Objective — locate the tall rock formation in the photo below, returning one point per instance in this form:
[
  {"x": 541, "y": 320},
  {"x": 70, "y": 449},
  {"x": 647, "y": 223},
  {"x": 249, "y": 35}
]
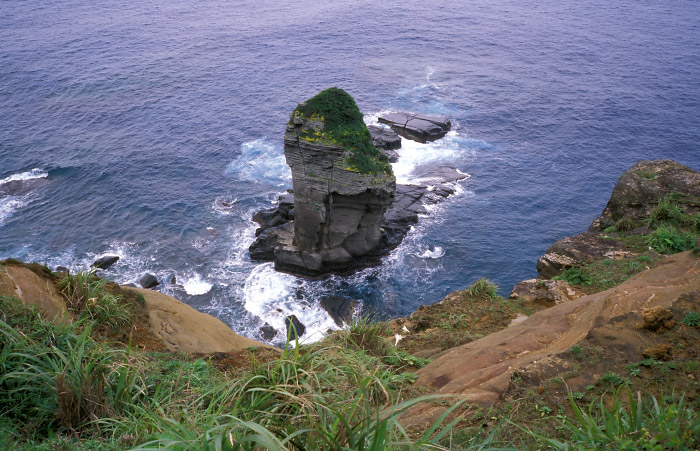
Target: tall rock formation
[{"x": 343, "y": 186}]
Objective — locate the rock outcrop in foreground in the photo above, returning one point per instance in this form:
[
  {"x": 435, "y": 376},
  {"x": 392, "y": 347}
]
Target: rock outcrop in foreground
[
  {"x": 481, "y": 371},
  {"x": 637, "y": 194},
  {"x": 343, "y": 186}
]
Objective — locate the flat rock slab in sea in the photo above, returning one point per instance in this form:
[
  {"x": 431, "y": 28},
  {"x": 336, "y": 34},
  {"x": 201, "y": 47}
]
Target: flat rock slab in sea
[{"x": 417, "y": 127}]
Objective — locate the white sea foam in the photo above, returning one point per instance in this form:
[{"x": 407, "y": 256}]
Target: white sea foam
[
  {"x": 436, "y": 252},
  {"x": 35, "y": 173},
  {"x": 11, "y": 203},
  {"x": 273, "y": 296},
  {"x": 261, "y": 159},
  {"x": 195, "y": 286},
  {"x": 8, "y": 205}
]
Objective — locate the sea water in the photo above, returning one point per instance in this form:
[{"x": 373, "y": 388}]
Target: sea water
[{"x": 153, "y": 130}]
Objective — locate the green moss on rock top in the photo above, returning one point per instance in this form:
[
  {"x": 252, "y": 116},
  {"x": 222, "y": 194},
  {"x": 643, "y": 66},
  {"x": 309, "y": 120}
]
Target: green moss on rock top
[{"x": 343, "y": 126}]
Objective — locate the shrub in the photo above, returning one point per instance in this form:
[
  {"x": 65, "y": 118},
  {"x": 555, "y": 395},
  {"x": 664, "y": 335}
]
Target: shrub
[
  {"x": 668, "y": 240},
  {"x": 483, "y": 288}
]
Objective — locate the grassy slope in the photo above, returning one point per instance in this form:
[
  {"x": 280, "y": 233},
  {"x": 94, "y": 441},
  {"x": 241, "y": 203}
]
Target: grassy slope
[{"x": 328, "y": 395}]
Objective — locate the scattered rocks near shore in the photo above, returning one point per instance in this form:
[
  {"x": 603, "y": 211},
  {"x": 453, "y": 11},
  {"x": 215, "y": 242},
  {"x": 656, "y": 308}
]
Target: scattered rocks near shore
[
  {"x": 149, "y": 281},
  {"x": 345, "y": 211}
]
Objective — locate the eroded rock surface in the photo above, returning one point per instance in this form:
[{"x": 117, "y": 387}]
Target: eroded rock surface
[
  {"x": 184, "y": 329},
  {"x": 481, "y": 371},
  {"x": 384, "y": 138},
  {"x": 24, "y": 284},
  {"x": 545, "y": 293},
  {"x": 575, "y": 250}
]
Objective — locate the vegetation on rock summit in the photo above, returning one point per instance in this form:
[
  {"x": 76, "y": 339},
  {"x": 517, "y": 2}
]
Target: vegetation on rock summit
[{"x": 343, "y": 125}]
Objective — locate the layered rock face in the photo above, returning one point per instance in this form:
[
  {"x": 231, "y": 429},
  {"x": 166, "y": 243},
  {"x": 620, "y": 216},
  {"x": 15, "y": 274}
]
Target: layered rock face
[{"x": 342, "y": 187}]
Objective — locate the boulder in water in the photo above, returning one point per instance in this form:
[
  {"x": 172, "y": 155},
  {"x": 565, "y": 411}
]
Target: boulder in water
[
  {"x": 295, "y": 328},
  {"x": 417, "y": 127},
  {"x": 105, "y": 261},
  {"x": 149, "y": 281}
]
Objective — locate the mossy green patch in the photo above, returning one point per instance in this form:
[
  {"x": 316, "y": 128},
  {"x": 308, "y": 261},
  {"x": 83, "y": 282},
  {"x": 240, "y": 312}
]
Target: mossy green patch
[{"x": 341, "y": 124}]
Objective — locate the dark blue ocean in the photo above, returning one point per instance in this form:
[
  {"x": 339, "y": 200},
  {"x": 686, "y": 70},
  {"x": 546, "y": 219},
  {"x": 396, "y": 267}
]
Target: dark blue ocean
[{"x": 131, "y": 125}]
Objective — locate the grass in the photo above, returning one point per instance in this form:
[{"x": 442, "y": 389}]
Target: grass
[
  {"x": 57, "y": 382},
  {"x": 342, "y": 125},
  {"x": 630, "y": 424},
  {"x": 89, "y": 299},
  {"x": 483, "y": 287}
]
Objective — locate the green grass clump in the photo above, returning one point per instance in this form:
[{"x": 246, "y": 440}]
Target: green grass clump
[
  {"x": 667, "y": 239},
  {"x": 343, "y": 125},
  {"x": 692, "y": 319},
  {"x": 575, "y": 276},
  {"x": 89, "y": 299},
  {"x": 649, "y": 175},
  {"x": 630, "y": 425},
  {"x": 483, "y": 287}
]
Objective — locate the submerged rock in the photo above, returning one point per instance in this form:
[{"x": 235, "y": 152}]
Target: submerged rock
[
  {"x": 417, "y": 127},
  {"x": 105, "y": 261}
]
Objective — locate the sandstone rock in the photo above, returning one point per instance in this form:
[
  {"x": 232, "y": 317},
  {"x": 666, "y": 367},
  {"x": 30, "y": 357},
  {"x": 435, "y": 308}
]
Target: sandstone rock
[
  {"x": 639, "y": 190},
  {"x": 658, "y": 352},
  {"x": 480, "y": 371},
  {"x": 24, "y": 284},
  {"x": 184, "y": 329},
  {"x": 294, "y": 327},
  {"x": 545, "y": 293},
  {"x": 570, "y": 251},
  {"x": 339, "y": 308},
  {"x": 105, "y": 261},
  {"x": 657, "y": 319},
  {"x": 384, "y": 137},
  {"x": 340, "y": 193},
  {"x": 149, "y": 281},
  {"x": 417, "y": 127}
]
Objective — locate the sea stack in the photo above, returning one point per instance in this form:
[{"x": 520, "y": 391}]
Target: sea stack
[{"x": 342, "y": 183}]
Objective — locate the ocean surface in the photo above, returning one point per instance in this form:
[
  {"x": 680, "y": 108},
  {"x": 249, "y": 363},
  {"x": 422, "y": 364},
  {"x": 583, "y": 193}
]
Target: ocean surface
[{"x": 154, "y": 130}]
